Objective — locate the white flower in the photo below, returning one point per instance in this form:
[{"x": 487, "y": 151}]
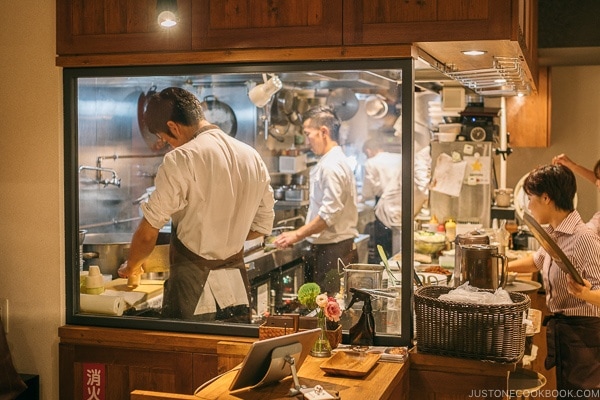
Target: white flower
[{"x": 321, "y": 300}]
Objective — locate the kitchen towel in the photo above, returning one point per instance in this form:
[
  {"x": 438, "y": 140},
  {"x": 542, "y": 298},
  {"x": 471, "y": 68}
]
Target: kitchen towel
[
  {"x": 223, "y": 286},
  {"x": 102, "y": 304}
]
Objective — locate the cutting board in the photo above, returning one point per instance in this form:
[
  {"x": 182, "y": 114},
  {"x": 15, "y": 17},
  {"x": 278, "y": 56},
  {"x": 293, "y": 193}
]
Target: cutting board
[
  {"x": 350, "y": 363},
  {"x": 148, "y": 289}
]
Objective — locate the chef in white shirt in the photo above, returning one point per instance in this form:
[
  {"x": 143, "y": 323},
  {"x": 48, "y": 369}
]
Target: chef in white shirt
[
  {"x": 332, "y": 213},
  {"x": 216, "y": 190},
  {"x": 381, "y": 169}
]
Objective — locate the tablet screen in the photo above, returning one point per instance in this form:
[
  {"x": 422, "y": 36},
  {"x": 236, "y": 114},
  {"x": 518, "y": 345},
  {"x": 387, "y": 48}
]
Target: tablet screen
[{"x": 255, "y": 371}]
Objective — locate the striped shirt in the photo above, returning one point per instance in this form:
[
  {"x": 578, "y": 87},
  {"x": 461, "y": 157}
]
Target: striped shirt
[
  {"x": 582, "y": 246},
  {"x": 594, "y": 223}
]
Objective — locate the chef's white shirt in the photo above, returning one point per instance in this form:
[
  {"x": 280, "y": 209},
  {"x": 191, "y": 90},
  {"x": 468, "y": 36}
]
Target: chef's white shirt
[
  {"x": 333, "y": 198},
  {"x": 215, "y": 189},
  {"x": 380, "y": 170}
]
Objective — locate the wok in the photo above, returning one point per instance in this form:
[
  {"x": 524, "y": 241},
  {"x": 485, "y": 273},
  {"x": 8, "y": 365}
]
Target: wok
[
  {"x": 152, "y": 141},
  {"x": 220, "y": 114}
]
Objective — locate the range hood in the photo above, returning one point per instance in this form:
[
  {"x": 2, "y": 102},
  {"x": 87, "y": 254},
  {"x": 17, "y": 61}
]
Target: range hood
[{"x": 500, "y": 71}]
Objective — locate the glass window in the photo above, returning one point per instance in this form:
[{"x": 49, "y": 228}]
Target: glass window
[{"x": 112, "y": 161}]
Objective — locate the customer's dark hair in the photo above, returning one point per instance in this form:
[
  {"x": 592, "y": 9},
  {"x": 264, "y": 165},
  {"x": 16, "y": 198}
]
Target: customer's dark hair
[
  {"x": 597, "y": 169},
  {"x": 172, "y": 104},
  {"x": 557, "y": 181},
  {"x": 324, "y": 116}
]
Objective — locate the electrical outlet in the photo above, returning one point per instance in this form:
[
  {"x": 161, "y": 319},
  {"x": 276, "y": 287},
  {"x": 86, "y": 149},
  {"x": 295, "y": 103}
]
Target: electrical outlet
[{"x": 4, "y": 313}]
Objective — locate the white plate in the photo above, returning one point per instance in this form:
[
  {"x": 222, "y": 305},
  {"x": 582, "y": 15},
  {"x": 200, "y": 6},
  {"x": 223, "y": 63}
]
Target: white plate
[{"x": 520, "y": 198}]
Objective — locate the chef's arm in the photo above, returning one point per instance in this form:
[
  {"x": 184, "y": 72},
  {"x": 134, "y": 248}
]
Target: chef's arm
[
  {"x": 522, "y": 265},
  {"x": 254, "y": 235},
  {"x": 315, "y": 226},
  {"x": 142, "y": 244},
  {"x": 288, "y": 238}
]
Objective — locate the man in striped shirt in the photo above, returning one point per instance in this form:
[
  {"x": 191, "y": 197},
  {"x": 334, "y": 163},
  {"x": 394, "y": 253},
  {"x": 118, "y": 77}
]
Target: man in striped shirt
[{"x": 573, "y": 331}]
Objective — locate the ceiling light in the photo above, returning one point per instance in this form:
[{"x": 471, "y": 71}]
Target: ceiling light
[
  {"x": 167, "y": 13},
  {"x": 474, "y": 52}
]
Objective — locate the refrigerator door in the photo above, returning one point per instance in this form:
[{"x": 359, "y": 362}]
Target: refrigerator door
[{"x": 467, "y": 200}]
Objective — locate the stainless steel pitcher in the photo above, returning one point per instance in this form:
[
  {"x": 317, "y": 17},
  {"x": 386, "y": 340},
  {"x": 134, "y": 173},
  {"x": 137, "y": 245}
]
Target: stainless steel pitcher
[
  {"x": 474, "y": 237},
  {"x": 483, "y": 266}
]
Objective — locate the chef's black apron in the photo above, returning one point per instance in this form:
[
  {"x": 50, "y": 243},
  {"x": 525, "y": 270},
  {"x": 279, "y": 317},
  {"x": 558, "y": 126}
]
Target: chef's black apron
[
  {"x": 322, "y": 264},
  {"x": 574, "y": 348},
  {"x": 187, "y": 276}
]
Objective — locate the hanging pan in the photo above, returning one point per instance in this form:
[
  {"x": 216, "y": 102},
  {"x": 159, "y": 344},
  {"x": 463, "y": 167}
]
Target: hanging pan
[
  {"x": 154, "y": 143},
  {"x": 220, "y": 114},
  {"x": 344, "y": 102}
]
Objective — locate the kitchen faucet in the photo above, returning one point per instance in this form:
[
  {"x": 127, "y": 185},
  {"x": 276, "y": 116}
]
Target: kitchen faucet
[
  {"x": 288, "y": 220},
  {"x": 114, "y": 180}
]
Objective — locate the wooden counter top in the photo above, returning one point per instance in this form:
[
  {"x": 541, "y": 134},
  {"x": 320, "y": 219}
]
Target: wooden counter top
[{"x": 385, "y": 381}]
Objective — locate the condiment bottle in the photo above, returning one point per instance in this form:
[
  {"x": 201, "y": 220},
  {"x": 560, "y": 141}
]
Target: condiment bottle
[
  {"x": 94, "y": 281},
  {"x": 450, "y": 226}
]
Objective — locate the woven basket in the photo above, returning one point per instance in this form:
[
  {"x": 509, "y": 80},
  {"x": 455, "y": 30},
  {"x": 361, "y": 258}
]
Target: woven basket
[
  {"x": 492, "y": 332},
  {"x": 267, "y": 332}
]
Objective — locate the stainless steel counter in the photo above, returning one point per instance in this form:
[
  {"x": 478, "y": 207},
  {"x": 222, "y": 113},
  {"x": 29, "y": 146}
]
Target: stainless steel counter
[{"x": 262, "y": 262}]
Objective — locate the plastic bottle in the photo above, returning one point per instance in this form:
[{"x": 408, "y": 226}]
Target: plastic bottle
[
  {"x": 394, "y": 312},
  {"x": 503, "y": 237},
  {"x": 450, "y": 226},
  {"x": 94, "y": 281}
]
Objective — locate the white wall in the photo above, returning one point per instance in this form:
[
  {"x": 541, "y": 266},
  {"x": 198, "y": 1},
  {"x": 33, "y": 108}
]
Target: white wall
[
  {"x": 31, "y": 184},
  {"x": 32, "y": 255},
  {"x": 575, "y": 131}
]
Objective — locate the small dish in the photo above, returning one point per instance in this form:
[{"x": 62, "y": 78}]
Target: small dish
[{"x": 350, "y": 363}]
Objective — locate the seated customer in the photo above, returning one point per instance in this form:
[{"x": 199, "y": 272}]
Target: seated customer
[{"x": 574, "y": 328}]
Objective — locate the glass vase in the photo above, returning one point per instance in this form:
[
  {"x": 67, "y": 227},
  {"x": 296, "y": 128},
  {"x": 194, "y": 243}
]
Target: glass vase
[{"x": 321, "y": 348}]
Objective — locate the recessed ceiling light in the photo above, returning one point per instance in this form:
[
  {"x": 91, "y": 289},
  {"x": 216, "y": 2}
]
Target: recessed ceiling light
[{"x": 474, "y": 52}]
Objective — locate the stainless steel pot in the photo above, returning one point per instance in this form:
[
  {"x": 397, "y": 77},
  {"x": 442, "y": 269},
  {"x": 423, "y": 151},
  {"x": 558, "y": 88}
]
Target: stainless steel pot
[{"x": 109, "y": 250}]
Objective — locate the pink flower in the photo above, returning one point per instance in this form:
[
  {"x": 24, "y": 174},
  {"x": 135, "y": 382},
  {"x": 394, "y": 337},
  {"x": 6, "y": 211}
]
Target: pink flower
[{"x": 332, "y": 310}]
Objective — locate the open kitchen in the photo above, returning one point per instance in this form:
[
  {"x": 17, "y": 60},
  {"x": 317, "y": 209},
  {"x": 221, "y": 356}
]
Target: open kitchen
[{"x": 407, "y": 97}]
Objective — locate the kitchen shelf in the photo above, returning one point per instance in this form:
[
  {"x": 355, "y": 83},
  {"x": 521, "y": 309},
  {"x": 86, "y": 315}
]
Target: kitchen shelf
[{"x": 282, "y": 204}]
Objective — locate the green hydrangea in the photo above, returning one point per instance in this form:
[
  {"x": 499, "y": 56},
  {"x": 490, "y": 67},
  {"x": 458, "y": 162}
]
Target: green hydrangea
[{"x": 307, "y": 294}]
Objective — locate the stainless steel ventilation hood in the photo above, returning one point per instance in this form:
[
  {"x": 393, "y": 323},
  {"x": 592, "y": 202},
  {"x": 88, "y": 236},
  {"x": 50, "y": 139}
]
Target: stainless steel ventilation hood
[{"x": 500, "y": 71}]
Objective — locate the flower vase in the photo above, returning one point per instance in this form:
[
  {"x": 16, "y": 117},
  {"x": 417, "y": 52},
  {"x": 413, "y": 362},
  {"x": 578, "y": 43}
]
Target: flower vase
[{"x": 321, "y": 348}]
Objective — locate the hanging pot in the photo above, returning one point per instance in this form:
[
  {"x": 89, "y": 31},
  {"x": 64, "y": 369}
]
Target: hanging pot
[
  {"x": 300, "y": 105},
  {"x": 152, "y": 141},
  {"x": 281, "y": 106},
  {"x": 376, "y": 107},
  {"x": 344, "y": 102},
  {"x": 285, "y": 101},
  {"x": 220, "y": 114}
]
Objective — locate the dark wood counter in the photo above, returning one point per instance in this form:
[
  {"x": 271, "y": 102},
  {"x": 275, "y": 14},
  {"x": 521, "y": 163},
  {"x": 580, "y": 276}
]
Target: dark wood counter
[{"x": 444, "y": 378}]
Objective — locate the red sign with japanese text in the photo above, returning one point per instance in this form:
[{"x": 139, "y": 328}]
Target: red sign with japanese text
[{"x": 94, "y": 381}]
